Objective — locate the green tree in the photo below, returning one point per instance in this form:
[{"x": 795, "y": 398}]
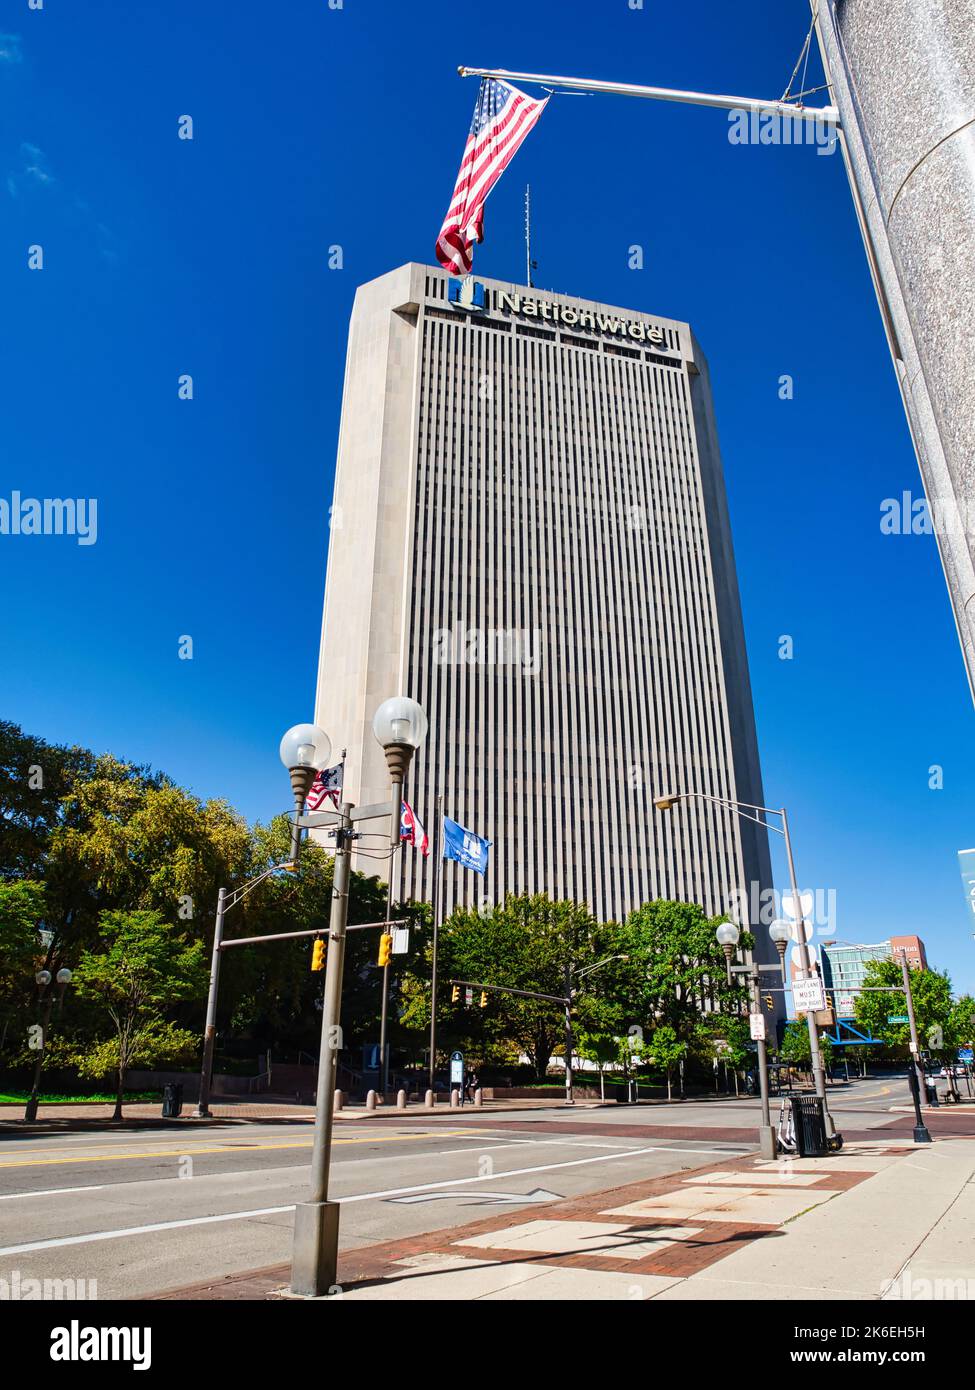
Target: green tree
[
  {"x": 527, "y": 943},
  {"x": 34, "y": 777},
  {"x": 675, "y": 969},
  {"x": 796, "y": 1046},
  {"x": 145, "y": 966},
  {"x": 664, "y": 1050},
  {"x": 21, "y": 953},
  {"x": 601, "y": 1048},
  {"x": 934, "y": 1010}
]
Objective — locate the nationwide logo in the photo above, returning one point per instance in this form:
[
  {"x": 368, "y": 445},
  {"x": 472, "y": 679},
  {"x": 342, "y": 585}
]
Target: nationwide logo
[{"x": 467, "y": 293}]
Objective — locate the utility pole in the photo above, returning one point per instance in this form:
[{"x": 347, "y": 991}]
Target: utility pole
[
  {"x": 912, "y": 1021},
  {"x": 568, "y": 1035},
  {"x": 799, "y": 916},
  {"x": 316, "y": 1238},
  {"x": 437, "y": 870},
  {"x": 210, "y": 1032},
  {"x": 395, "y": 841}
]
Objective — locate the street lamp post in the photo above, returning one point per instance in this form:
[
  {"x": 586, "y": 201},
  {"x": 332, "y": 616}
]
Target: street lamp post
[
  {"x": 400, "y": 726},
  {"x": 45, "y": 1000},
  {"x": 742, "y": 808},
  {"x": 315, "y": 1253},
  {"x": 225, "y": 901},
  {"x": 728, "y": 936}
]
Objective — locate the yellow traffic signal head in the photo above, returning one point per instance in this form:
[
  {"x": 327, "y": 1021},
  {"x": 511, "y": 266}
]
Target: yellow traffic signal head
[
  {"x": 769, "y": 1002},
  {"x": 385, "y": 948},
  {"x": 455, "y": 994},
  {"x": 483, "y": 998},
  {"x": 318, "y": 954}
]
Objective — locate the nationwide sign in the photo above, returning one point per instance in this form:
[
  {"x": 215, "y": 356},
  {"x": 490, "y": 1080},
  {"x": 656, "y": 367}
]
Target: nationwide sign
[{"x": 571, "y": 317}]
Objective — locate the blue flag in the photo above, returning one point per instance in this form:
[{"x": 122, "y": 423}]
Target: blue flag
[{"x": 464, "y": 846}]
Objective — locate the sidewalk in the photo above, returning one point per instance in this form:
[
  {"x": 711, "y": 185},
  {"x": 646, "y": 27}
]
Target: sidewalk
[
  {"x": 64, "y": 1116},
  {"x": 883, "y": 1218}
]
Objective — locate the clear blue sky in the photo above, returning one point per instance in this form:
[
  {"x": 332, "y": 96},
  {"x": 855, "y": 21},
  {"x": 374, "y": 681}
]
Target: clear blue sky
[{"x": 315, "y": 127}]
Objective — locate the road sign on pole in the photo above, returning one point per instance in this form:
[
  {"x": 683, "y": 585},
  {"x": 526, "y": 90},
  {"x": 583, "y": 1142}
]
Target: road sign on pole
[{"x": 809, "y": 995}]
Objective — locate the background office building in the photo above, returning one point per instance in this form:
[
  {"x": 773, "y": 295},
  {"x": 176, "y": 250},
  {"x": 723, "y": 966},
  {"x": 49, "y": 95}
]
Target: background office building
[
  {"x": 845, "y": 965},
  {"x": 530, "y": 536}
]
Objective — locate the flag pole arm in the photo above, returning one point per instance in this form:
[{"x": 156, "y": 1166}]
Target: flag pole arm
[{"x": 626, "y": 89}]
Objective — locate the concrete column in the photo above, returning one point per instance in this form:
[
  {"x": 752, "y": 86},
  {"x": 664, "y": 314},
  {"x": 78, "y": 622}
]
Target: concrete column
[{"x": 903, "y": 77}]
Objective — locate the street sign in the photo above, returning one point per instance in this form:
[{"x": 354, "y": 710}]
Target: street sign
[
  {"x": 457, "y": 1069},
  {"x": 845, "y": 1006},
  {"x": 401, "y": 941},
  {"x": 898, "y": 1018},
  {"x": 808, "y": 995},
  {"x": 756, "y": 1024},
  {"x": 965, "y": 1054}
]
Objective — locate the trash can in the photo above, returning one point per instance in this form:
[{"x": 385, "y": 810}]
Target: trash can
[
  {"x": 932, "y": 1092},
  {"x": 172, "y": 1100},
  {"x": 809, "y": 1124}
]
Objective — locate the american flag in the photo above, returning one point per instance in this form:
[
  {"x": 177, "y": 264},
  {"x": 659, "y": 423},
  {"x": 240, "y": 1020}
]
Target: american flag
[
  {"x": 412, "y": 831},
  {"x": 503, "y": 116},
  {"x": 327, "y": 785}
]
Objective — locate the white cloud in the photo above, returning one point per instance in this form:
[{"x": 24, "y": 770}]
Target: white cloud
[{"x": 10, "y": 48}]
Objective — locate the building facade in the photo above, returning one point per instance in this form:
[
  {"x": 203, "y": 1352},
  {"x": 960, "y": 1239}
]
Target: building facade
[
  {"x": 530, "y": 536},
  {"x": 845, "y": 965}
]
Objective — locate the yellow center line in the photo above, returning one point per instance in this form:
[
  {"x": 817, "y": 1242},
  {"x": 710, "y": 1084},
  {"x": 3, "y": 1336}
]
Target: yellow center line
[{"x": 191, "y": 1152}]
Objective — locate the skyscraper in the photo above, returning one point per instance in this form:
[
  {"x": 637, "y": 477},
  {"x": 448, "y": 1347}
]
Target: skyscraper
[{"x": 530, "y": 536}]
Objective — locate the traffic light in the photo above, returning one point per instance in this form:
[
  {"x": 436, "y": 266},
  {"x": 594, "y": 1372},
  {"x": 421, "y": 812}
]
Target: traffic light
[
  {"x": 483, "y": 998},
  {"x": 385, "y": 947},
  {"x": 769, "y": 1002},
  {"x": 455, "y": 994},
  {"x": 318, "y": 955}
]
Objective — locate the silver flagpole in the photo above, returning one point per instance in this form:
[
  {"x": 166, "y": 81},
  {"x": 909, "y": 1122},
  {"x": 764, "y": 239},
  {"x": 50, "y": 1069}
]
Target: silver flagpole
[{"x": 628, "y": 89}]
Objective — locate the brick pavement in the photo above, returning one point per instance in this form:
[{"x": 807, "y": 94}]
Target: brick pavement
[{"x": 629, "y": 1241}]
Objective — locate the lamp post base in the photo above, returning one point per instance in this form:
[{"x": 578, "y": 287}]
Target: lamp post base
[
  {"x": 921, "y": 1135},
  {"x": 30, "y": 1113},
  {"x": 767, "y": 1142},
  {"x": 314, "y": 1263}
]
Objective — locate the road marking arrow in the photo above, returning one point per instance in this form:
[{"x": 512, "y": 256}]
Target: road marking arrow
[{"x": 484, "y": 1199}]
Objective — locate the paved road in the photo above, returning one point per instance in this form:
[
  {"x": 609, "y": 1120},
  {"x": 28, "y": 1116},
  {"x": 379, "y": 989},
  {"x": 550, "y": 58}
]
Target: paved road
[{"x": 161, "y": 1208}]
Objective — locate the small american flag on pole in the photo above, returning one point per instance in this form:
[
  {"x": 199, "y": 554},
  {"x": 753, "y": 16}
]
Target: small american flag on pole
[
  {"x": 326, "y": 786},
  {"x": 503, "y": 116}
]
